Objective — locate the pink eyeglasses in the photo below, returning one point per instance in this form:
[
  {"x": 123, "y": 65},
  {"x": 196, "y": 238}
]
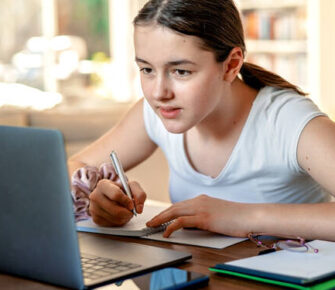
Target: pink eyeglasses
[{"x": 289, "y": 243}]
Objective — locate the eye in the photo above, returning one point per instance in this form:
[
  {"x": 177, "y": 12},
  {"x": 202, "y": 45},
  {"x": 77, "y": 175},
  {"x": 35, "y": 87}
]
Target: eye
[
  {"x": 182, "y": 72},
  {"x": 146, "y": 70}
]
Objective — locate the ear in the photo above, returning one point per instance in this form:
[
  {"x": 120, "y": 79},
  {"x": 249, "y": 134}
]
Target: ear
[{"x": 233, "y": 64}]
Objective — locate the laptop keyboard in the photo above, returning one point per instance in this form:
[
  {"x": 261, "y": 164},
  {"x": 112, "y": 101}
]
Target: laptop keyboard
[{"x": 95, "y": 267}]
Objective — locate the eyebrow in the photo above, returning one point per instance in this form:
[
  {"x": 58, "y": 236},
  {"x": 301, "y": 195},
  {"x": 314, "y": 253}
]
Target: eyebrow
[{"x": 170, "y": 63}]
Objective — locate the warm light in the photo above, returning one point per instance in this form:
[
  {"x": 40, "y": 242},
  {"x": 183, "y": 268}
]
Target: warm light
[
  {"x": 86, "y": 67},
  {"x": 68, "y": 63},
  {"x": 120, "y": 75},
  {"x": 37, "y": 44},
  {"x": 24, "y": 60},
  {"x": 22, "y": 96},
  {"x": 61, "y": 42}
]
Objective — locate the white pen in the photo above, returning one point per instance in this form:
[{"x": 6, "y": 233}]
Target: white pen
[{"x": 120, "y": 173}]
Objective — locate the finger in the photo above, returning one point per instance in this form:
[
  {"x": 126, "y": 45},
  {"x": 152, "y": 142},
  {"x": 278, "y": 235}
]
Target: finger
[
  {"x": 101, "y": 221},
  {"x": 163, "y": 217},
  {"x": 139, "y": 195},
  {"x": 171, "y": 213},
  {"x": 114, "y": 193},
  {"x": 185, "y": 207},
  {"x": 110, "y": 214},
  {"x": 181, "y": 222},
  {"x": 110, "y": 207}
]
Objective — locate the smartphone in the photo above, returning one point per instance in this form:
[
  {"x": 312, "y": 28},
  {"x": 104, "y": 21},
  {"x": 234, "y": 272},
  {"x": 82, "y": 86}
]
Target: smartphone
[{"x": 164, "y": 279}]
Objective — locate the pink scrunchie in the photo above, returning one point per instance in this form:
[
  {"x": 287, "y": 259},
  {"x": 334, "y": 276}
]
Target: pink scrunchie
[{"x": 84, "y": 180}]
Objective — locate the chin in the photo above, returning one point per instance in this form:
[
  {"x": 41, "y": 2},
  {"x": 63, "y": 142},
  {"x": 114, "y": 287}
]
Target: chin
[
  {"x": 174, "y": 131},
  {"x": 175, "y": 128}
]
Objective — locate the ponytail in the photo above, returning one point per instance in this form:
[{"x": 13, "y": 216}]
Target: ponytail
[{"x": 258, "y": 77}]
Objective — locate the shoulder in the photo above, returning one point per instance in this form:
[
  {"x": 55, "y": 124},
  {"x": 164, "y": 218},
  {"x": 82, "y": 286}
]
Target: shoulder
[
  {"x": 282, "y": 115},
  {"x": 285, "y": 106},
  {"x": 284, "y": 99}
]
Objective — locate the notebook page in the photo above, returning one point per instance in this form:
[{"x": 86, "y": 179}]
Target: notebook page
[
  {"x": 197, "y": 238},
  {"x": 136, "y": 224}
]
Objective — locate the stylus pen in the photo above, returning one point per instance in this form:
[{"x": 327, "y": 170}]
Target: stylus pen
[{"x": 120, "y": 173}]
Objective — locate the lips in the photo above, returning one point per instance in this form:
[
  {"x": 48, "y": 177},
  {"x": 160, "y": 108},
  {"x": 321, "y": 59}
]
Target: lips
[{"x": 169, "y": 112}]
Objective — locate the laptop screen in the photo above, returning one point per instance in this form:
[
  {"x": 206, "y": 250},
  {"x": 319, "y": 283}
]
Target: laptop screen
[{"x": 38, "y": 236}]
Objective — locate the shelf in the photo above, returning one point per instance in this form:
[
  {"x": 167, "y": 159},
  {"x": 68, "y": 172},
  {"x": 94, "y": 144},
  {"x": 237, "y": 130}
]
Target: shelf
[
  {"x": 270, "y": 4},
  {"x": 276, "y": 46}
]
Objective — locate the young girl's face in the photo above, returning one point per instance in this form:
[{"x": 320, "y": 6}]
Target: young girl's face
[{"x": 181, "y": 81}]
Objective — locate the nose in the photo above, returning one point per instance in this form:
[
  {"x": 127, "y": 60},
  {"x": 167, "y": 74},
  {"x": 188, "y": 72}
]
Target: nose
[{"x": 161, "y": 89}]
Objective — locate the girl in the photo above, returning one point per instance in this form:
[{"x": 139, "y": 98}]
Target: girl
[{"x": 247, "y": 151}]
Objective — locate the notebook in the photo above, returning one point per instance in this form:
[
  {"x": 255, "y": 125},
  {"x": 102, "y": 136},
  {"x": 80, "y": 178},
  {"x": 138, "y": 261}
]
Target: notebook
[
  {"x": 38, "y": 233},
  {"x": 136, "y": 228},
  {"x": 298, "y": 270}
]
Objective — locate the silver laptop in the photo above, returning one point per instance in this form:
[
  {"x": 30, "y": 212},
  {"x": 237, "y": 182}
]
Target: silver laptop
[{"x": 38, "y": 234}]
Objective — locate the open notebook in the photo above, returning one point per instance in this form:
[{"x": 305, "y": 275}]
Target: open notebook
[{"x": 137, "y": 228}]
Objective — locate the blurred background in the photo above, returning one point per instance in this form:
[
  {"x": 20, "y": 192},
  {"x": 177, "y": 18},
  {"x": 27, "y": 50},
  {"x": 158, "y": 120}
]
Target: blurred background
[{"x": 69, "y": 64}]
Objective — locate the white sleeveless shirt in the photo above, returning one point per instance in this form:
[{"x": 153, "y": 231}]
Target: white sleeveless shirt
[{"x": 263, "y": 166}]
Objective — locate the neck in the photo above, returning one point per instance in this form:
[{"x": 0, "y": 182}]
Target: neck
[{"x": 231, "y": 113}]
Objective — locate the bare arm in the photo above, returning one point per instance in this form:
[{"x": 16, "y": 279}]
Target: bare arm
[
  {"x": 109, "y": 206},
  {"x": 316, "y": 154},
  {"x": 309, "y": 221},
  {"x": 316, "y": 151},
  {"x": 128, "y": 138}
]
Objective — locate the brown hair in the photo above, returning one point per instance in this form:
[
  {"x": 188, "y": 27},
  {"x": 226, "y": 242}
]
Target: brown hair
[{"x": 218, "y": 24}]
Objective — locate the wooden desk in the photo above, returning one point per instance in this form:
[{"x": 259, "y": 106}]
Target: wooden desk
[{"x": 203, "y": 258}]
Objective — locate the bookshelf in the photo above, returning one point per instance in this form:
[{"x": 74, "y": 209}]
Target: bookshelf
[
  {"x": 276, "y": 36},
  {"x": 294, "y": 38}
]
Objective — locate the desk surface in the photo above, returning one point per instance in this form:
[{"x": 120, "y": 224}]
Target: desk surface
[{"x": 203, "y": 258}]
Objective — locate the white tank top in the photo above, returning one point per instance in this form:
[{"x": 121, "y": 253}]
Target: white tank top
[{"x": 263, "y": 166}]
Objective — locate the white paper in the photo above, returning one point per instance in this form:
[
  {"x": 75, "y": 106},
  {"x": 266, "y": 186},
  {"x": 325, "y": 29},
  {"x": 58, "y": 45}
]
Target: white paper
[
  {"x": 183, "y": 236},
  {"x": 308, "y": 265},
  {"x": 197, "y": 238},
  {"x": 136, "y": 224}
]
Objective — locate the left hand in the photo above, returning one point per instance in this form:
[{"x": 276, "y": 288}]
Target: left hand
[{"x": 206, "y": 213}]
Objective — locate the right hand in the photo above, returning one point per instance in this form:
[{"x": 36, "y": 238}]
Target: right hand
[
  {"x": 209, "y": 214},
  {"x": 110, "y": 206}
]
